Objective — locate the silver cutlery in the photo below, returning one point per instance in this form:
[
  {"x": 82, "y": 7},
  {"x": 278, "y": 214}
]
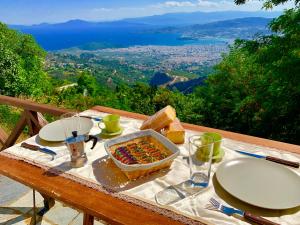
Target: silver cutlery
[
  {"x": 271, "y": 158},
  {"x": 38, "y": 148},
  {"x": 247, "y": 215},
  {"x": 96, "y": 118}
]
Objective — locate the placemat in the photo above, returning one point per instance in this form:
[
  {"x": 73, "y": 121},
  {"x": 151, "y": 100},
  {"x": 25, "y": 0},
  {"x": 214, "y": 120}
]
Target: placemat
[{"x": 100, "y": 173}]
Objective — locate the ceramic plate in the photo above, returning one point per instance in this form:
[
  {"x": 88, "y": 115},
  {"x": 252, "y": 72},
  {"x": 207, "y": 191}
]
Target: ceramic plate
[
  {"x": 55, "y": 132},
  {"x": 106, "y": 133},
  {"x": 260, "y": 183}
]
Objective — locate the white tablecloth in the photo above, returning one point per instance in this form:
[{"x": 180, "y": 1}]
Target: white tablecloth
[{"x": 101, "y": 171}]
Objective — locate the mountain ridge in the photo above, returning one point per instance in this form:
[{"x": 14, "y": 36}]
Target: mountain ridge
[
  {"x": 184, "y": 17},
  {"x": 244, "y": 28},
  {"x": 189, "y": 18},
  {"x": 134, "y": 32}
]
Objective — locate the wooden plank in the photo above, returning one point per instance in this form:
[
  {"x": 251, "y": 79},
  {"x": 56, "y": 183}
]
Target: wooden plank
[
  {"x": 3, "y": 136},
  {"x": 88, "y": 219},
  {"x": 29, "y": 123},
  {"x": 92, "y": 202},
  {"x": 16, "y": 132},
  {"x": 33, "y": 122},
  {"x": 235, "y": 136},
  {"x": 37, "y": 119},
  {"x": 41, "y": 120},
  {"x": 120, "y": 112},
  {"x": 30, "y": 105}
]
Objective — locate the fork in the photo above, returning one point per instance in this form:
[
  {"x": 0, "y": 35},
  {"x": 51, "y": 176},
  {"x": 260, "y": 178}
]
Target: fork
[{"x": 247, "y": 215}]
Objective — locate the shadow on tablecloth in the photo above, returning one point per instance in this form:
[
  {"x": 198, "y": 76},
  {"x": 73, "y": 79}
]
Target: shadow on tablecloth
[{"x": 110, "y": 176}]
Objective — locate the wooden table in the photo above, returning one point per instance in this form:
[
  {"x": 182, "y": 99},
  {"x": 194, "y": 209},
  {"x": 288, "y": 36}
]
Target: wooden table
[{"x": 96, "y": 204}]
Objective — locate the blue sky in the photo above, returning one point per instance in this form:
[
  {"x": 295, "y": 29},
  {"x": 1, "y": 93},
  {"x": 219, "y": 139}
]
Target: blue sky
[{"x": 52, "y": 11}]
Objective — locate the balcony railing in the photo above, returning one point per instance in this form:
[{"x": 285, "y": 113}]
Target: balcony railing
[{"x": 32, "y": 116}]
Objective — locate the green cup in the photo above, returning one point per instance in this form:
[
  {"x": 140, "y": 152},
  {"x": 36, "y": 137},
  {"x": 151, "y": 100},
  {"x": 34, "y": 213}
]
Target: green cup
[
  {"x": 217, "y": 138},
  {"x": 203, "y": 151},
  {"x": 112, "y": 123}
]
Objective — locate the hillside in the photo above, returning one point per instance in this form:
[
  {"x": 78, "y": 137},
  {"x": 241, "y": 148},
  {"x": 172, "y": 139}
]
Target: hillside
[
  {"x": 179, "y": 83},
  {"x": 175, "y": 19},
  {"x": 187, "y": 86},
  {"x": 160, "y": 78},
  {"x": 244, "y": 28}
]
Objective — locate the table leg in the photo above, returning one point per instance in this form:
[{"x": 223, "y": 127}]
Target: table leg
[
  {"x": 88, "y": 219},
  {"x": 48, "y": 204},
  {"x": 34, "y": 207}
]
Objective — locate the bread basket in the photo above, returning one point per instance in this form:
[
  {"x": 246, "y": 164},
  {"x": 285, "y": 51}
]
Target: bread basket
[{"x": 135, "y": 171}]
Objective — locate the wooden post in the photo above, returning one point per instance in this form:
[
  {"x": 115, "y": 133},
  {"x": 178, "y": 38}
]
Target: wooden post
[
  {"x": 3, "y": 136},
  {"x": 41, "y": 119},
  {"x": 16, "y": 132},
  {"x": 48, "y": 204},
  {"x": 88, "y": 219},
  {"x": 35, "y": 122},
  {"x": 34, "y": 206},
  {"x": 31, "y": 125}
]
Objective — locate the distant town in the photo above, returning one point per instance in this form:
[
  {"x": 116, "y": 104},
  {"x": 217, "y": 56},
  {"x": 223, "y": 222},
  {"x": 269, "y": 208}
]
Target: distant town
[
  {"x": 169, "y": 57},
  {"x": 190, "y": 61}
]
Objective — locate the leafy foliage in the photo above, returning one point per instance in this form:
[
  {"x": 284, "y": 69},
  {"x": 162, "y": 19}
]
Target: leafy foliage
[
  {"x": 21, "y": 64},
  {"x": 87, "y": 83},
  {"x": 256, "y": 88}
]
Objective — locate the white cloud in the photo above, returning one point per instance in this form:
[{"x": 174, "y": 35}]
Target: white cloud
[
  {"x": 204, "y": 3},
  {"x": 178, "y": 4},
  {"x": 192, "y": 4},
  {"x": 102, "y": 10}
]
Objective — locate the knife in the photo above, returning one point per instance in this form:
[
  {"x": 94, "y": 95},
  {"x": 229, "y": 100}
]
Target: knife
[
  {"x": 271, "y": 158},
  {"x": 98, "y": 119},
  {"x": 38, "y": 148}
]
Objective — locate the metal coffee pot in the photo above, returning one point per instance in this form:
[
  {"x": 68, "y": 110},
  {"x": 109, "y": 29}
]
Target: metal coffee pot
[{"x": 76, "y": 146}]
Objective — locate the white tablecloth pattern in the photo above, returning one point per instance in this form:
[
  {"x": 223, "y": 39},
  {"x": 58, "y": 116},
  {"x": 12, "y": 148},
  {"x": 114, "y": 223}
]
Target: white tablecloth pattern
[{"x": 100, "y": 171}]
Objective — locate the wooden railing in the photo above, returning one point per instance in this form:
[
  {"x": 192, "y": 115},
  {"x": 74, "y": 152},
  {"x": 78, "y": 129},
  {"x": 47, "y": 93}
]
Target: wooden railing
[{"x": 31, "y": 117}]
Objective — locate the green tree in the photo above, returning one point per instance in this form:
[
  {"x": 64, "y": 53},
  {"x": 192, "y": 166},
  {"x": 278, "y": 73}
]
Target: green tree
[
  {"x": 87, "y": 82},
  {"x": 256, "y": 87},
  {"x": 21, "y": 64}
]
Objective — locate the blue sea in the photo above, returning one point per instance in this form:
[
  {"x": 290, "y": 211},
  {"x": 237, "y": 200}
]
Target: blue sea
[{"x": 57, "y": 39}]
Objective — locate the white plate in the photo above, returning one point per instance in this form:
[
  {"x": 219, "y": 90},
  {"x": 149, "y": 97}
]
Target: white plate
[
  {"x": 55, "y": 132},
  {"x": 260, "y": 183}
]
